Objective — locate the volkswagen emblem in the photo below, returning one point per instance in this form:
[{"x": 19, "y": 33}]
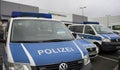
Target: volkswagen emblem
[{"x": 63, "y": 66}]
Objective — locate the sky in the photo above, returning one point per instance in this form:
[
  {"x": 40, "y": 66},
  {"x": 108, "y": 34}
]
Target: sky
[{"x": 94, "y": 8}]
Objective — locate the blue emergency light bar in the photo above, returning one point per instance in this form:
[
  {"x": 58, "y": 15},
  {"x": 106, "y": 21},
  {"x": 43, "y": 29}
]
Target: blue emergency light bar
[
  {"x": 30, "y": 14},
  {"x": 90, "y": 23}
]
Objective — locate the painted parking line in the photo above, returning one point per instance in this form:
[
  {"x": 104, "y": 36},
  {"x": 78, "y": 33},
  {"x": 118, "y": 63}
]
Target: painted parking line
[
  {"x": 108, "y": 58},
  {"x": 116, "y": 67}
]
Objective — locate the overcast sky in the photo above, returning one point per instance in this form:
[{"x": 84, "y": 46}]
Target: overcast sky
[{"x": 94, "y": 8}]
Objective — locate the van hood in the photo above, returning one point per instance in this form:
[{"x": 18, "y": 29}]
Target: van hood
[
  {"x": 110, "y": 36},
  {"x": 46, "y": 53},
  {"x": 86, "y": 43}
]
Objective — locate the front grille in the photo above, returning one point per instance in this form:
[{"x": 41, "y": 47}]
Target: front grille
[
  {"x": 73, "y": 65},
  {"x": 115, "y": 40}
]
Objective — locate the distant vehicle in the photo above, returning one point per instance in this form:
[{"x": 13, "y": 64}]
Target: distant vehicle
[
  {"x": 100, "y": 35},
  {"x": 115, "y": 28}
]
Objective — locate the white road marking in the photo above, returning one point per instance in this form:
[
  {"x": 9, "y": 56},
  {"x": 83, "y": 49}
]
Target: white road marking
[
  {"x": 108, "y": 58},
  {"x": 116, "y": 68}
]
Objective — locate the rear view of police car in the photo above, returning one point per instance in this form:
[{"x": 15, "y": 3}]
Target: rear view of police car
[{"x": 42, "y": 44}]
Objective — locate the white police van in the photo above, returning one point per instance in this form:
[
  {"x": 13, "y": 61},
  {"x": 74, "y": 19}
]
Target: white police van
[
  {"x": 100, "y": 35},
  {"x": 91, "y": 48},
  {"x": 42, "y": 44},
  {"x": 115, "y": 29}
]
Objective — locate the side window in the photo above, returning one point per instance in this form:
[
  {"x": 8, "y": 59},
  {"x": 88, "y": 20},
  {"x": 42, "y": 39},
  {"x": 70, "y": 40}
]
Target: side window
[
  {"x": 78, "y": 29},
  {"x": 89, "y": 30}
]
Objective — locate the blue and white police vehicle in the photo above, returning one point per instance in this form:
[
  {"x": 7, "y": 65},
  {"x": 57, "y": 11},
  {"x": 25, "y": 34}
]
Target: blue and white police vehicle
[
  {"x": 100, "y": 35},
  {"x": 90, "y": 47},
  {"x": 34, "y": 43}
]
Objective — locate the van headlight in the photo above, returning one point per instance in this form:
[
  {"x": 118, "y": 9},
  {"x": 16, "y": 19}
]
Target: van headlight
[
  {"x": 86, "y": 59},
  {"x": 106, "y": 40},
  {"x": 20, "y": 66}
]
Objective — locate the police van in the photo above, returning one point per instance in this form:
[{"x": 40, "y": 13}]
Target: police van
[
  {"x": 115, "y": 28},
  {"x": 35, "y": 43},
  {"x": 90, "y": 47},
  {"x": 100, "y": 35}
]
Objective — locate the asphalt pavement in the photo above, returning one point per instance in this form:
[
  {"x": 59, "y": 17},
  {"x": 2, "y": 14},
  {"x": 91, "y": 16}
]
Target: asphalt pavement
[{"x": 106, "y": 61}]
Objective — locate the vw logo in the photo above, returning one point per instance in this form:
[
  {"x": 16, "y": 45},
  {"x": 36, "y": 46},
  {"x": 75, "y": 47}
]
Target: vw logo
[{"x": 63, "y": 66}]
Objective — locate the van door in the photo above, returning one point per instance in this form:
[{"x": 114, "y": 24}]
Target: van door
[{"x": 89, "y": 33}]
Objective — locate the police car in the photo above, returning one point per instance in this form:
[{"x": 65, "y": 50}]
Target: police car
[
  {"x": 91, "y": 48},
  {"x": 100, "y": 35},
  {"x": 42, "y": 44}
]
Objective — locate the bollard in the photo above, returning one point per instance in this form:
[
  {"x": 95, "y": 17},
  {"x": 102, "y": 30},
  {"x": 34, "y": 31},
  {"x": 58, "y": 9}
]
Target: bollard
[{"x": 119, "y": 63}]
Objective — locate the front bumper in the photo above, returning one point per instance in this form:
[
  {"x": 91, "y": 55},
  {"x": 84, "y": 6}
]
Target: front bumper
[
  {"x": 84, "y": 67},
  {"x": 87, "y": 67},
  {"x": 110, "y": 46}
]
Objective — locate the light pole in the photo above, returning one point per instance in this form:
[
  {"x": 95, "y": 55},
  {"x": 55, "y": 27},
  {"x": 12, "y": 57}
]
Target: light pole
[
  {"x": 82, "y": 8},
  {"x": 108, "y": 19}
]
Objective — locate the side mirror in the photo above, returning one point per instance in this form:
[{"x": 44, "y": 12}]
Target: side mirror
[
  {"x": 74, "y": 34},
  {"x": 82, "y": 37}
]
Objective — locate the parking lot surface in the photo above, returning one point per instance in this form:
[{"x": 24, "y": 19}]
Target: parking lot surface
[{"x": 106, "y": 61}]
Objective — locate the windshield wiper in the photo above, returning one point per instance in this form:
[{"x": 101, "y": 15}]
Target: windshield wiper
[
  {"x": 52, "y": 40},
  {"x": 26, "y": 41},
  {"x": 57, "y": 40}
]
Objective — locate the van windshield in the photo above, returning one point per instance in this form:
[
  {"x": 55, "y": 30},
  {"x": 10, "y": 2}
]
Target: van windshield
[
  {"x": 33, "y": 30},
  {"x": 102, "y": 29}
]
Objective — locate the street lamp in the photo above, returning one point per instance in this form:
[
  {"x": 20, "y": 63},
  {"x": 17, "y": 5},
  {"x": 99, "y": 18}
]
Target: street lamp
[
  {"x": 108, "y": 19},
  {"x": 82, "y": 8}
]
